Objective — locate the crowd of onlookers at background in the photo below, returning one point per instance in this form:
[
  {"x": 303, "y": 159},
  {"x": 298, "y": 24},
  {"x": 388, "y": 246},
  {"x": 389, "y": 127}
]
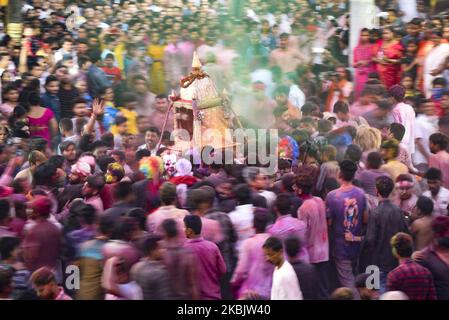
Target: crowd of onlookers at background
[{"x": 88, "y": 177}]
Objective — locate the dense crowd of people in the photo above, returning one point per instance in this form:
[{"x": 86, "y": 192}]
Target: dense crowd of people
[{"x": 89, "y": 179}]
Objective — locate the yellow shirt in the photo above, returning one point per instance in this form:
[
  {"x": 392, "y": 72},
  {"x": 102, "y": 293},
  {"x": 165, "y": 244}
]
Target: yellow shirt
[
  {"x": 131, "y": 116},
  {"x": 119, "y": 55},
  {"x": 394, "y": 168}
]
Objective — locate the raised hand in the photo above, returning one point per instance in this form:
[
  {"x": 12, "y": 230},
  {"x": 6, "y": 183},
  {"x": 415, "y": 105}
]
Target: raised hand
[{"x": 98, "y": 107}]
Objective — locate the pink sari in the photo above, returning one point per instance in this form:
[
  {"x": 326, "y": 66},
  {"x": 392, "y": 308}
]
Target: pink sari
[
  {"x": 363, "y": 52},
  {"x": 40, "y": 127}
]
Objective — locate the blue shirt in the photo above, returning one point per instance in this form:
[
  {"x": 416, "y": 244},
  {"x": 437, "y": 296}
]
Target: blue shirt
[
  {"x": 110, "y": 113},
  {"x": 96, "y": 80},
  {"x": 52, "y": 102}
]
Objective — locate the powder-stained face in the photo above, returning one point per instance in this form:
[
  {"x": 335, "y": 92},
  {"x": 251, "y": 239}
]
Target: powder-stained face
[{"x": 169, "y": 163}]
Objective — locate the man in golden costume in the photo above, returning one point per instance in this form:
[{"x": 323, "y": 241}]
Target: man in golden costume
[{"x": 201, "y": 118}]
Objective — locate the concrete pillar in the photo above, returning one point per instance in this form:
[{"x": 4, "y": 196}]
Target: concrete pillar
[
  {"x": 14, "y": 19},
  {"x": 363, "y": 15}
]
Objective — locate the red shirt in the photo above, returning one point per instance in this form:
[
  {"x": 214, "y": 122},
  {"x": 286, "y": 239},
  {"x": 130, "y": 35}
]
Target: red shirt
[{"x": 113, "y": 74}]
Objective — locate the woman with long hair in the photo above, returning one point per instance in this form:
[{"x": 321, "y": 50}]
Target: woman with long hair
[
  {"x": 364, "y": 53},
  {"x": 10, "y": 100},
  {"x": 41, "y": 120},
  {"x": 340, "y": 88},
  {"x": 388, "y": 58}
]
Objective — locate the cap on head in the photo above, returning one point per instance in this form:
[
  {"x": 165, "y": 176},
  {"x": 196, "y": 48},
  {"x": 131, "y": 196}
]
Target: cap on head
[
  {"x": 196, "y": 64},
  {"x": 41, "y": 205}
]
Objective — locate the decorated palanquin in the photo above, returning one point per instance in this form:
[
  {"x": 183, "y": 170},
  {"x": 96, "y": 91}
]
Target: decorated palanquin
[{"x": 200, "y": 112}]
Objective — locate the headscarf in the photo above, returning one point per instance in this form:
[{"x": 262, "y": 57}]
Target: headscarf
[
  {"x": 81, "y": 169},
  {"x": 41, "y": 205},
  {"x": 90, "y": 160},
  {"x": 397, "y": 91},
  {"x": 183, "y": 167}
]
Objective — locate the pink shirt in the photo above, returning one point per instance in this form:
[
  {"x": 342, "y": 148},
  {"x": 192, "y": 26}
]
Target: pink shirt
[
  {"x": 39, "y": 127},
  {"x": 404, "y": 114},
  {"x": 211, "y": 230},
  {"x": 6, "y": 109},
  {"x": 123, "y": 249},
  {"x": 155, "y": 219},
  {"x": 42, "y": 245},
  {"x": 253, "y": 271},
  {"x": 313, "y": 213},
  {"x": 440, "y": 160},
  {"x": 6, "y": 232},
  {"x": 97, "y": 203},
  {"x": 209, "y": 265},
  {"x": 357, "y": 109},
  {"x": 62, "y": 296},
  {"x": 287, "y": 226}
]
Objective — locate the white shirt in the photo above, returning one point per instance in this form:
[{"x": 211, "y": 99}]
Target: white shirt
[
  {"x": 432, "y": 61},
  {"x": 404, "y": 114},
  {"x": 285, "y": 283},
  {"x": 242, "y": 220},
  {"x": 424, "y": 127},
  {"x": 440, "y": 202},
  {"x": 269, "y": 196},
  {"x": 296, "y": 97},
  {"x": 153, "y": 151},
  {"x": 59, "y": 55}
]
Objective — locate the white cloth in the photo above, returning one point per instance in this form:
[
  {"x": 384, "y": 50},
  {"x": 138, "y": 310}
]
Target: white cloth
[
  {"x": 183, "y": 168},
  {"x": 296, "y": 96},
  {"x": 265, "y": 76},
  {"x": 434, "y": 59},
  {"x": 440, "y": 202},
  {"x": 424, "y": 126},
  {"x": 404, "y": 114},
  {"x": 285, "y": 24},
  {"x": 285, "y": 283},
  {"x": 242, "y": 220},
  {"x": 409, "y": 8}
]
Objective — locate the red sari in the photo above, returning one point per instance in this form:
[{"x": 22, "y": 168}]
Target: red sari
[{"x": 390, "y": 74}]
